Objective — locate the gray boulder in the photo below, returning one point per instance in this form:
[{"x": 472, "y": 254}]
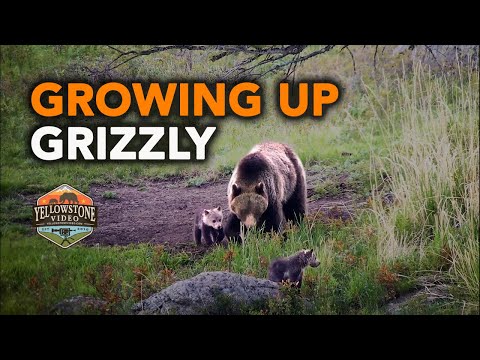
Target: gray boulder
[{"x": 210, "y": 293}]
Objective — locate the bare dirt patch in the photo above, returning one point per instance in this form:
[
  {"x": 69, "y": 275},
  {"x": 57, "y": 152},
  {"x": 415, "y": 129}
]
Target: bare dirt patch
[{"x": 162, "y": 212}]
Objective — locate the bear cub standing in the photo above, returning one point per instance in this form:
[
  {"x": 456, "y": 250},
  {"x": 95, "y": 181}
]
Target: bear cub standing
[
  {"x": 291, "y": 268},
  {"x": 208, "y": 226}
]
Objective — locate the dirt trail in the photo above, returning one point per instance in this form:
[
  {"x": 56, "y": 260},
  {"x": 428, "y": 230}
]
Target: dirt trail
[{"x": 162, "y": 212}]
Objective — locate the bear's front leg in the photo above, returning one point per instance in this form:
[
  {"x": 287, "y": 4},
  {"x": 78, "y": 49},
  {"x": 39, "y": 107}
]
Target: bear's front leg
[
  {"x": 207, "y": 235},
  {"x": 232, "y": 228},
  {"x": 300, "y": 279},
  {"x": 273, "y": 218},
  {"x": 296, "y": 278},
  {"x": 219, "y": 235}
]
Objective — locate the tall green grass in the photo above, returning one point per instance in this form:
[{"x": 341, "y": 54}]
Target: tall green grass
[{"x": 433, "y": 167}]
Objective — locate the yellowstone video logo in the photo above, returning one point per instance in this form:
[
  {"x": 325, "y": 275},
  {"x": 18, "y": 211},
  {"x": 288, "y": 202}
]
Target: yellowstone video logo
[{"x": 64, "y": 216}]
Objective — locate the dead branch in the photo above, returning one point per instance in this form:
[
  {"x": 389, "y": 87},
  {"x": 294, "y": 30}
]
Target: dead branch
[
  {"x": 351, "y": 55},
  {"x": 375, "y": 58},
  {"x": 260, "y": 60}
]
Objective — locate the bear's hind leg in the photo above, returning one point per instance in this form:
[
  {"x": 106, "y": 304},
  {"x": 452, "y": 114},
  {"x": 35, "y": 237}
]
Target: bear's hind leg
[
  {"x": 296, "y": 207},
  {"x": 197, "y": 234}
]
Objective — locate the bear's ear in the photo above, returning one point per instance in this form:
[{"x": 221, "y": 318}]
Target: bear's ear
[
  {"x": 259, "y": 188},
  {"x": 219, "y": 208},
  {"x": 236, "y": 190},
  {"x": 206, "y": 212}
]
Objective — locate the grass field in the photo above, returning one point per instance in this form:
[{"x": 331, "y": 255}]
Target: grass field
[{"x": 413, "y": 136}]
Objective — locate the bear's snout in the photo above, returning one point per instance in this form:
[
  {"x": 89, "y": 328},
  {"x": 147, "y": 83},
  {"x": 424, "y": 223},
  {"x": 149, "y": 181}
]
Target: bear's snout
[{"x": 250, "y": 221}]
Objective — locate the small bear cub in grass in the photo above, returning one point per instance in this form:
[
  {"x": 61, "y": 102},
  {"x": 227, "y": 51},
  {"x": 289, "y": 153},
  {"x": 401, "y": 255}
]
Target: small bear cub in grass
[
  {"x": 291, "y": 268},
  {"x": 208, "y": 226}
]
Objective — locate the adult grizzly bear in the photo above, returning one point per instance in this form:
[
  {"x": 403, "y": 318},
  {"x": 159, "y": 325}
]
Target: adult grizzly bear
[
  {"x": 69, "y": 198},
  {"x": 267, "y": 188}
]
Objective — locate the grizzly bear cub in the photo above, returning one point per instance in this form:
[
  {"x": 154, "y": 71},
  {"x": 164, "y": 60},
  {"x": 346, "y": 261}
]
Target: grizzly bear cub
[
  {"x": 267, "y": 188},
  {"x": 208, "y": 226},
  {"x": 291, "y": 268}
]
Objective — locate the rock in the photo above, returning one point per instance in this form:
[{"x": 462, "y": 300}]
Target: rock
[
  {"x": 79, "y": 305},
  {"x": 209, "y": 293},
  {"x": 430, "y": 291}
]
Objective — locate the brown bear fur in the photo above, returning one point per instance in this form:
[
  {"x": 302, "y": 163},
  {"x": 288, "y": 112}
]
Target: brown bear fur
[
  {"x": 291, "y": 268},
  {"x": 208, "y": 226},
  {"x": 267, "y": 188}
]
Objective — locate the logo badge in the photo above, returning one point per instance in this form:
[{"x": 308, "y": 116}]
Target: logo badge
[{"x": 65, "y": 216}]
